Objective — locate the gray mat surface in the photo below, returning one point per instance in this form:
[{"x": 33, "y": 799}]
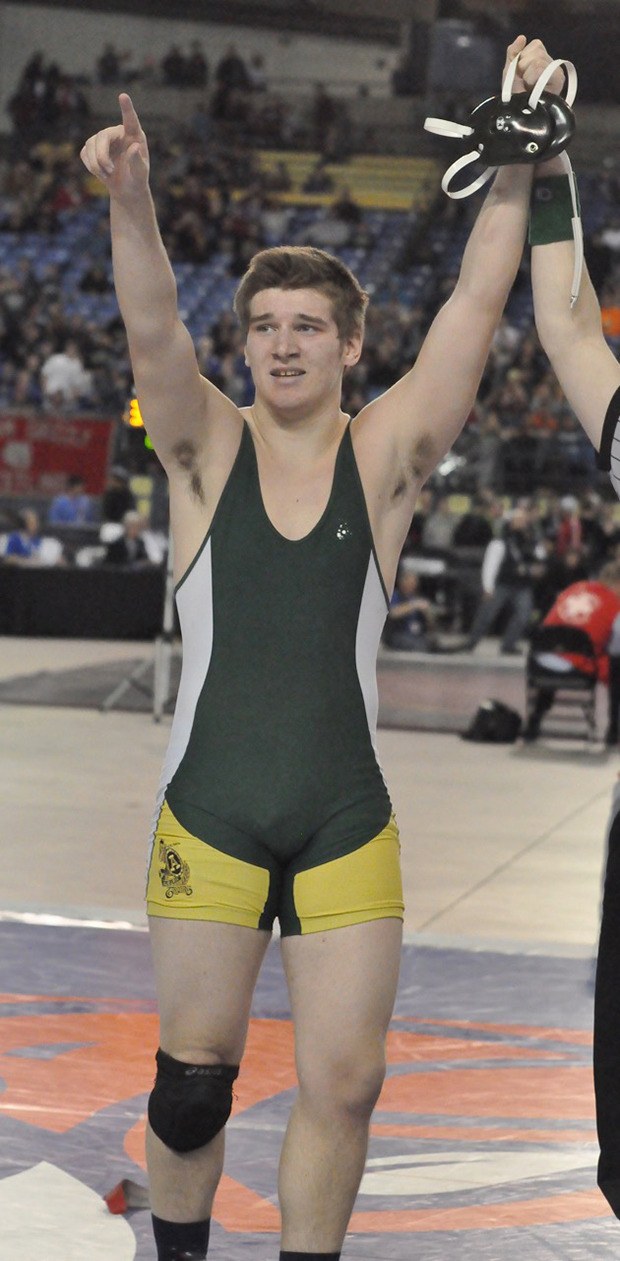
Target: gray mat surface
[
  {"x": 415, "y": 693},
  {"x": 88, "y": 687}
]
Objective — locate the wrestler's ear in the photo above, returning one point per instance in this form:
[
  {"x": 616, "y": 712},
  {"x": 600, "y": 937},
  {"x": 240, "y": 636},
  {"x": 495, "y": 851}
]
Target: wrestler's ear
[{"x": 352, "y": 349}]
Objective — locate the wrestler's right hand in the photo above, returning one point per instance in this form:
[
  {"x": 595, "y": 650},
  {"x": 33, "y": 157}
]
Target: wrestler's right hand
[{"x": 119, "y": 156}]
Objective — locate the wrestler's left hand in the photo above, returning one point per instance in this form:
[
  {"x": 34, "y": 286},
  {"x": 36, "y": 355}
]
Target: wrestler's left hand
[{"x": 533, "y": 59}]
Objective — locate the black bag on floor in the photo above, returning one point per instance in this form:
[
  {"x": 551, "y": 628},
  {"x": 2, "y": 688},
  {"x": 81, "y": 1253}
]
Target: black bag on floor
[{"x": 493, "y": 723}]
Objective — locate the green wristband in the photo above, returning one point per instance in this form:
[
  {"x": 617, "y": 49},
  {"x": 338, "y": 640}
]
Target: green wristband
[{"x": 551, "y": 211}]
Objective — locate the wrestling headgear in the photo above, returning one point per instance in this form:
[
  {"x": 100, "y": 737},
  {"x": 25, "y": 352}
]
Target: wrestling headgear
[{"x": 527, "y": 127}]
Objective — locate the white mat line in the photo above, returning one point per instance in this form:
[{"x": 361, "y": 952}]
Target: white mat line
[
  {"x": 63, "y": 921},
  {"x": 500, "y": 945}
]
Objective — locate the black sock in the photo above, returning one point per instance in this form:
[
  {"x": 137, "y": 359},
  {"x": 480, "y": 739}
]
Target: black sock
[
  {"x": 309, "y": 1256},
  {"x": 181, "y": 1241}
]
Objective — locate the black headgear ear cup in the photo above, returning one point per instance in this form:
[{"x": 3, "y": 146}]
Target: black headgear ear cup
[
  {"x": 507, "y": 132},
  {"x": 524, "y": 127}
]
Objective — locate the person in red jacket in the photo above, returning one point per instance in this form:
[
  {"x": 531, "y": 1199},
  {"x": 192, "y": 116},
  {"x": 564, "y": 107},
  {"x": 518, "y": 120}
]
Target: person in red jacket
[{"x": 593, "y": 606}]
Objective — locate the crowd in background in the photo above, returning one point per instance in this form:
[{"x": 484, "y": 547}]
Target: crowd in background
[
  {"x": 521, "y": 441},
  {"x": 233, "y": 100},
  {"x": 520, "y": 432}
]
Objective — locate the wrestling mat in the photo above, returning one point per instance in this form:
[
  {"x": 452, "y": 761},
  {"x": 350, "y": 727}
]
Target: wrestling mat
[{"x": 483, "y": 1142}]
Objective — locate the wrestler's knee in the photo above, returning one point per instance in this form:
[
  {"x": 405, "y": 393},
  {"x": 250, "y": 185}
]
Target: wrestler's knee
[
  {"x": 349, "y": 1084},
  {"x": 190, "y": 1103}
]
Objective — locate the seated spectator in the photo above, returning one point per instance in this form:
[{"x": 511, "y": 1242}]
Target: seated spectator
[
  {"x": 318, "y": 181},
  {"x": 410, "y": 616},
  {"x": 129, "y": 548},
  {"x": 23, "y": 545},
  {"x": 592, "y": 606},
  {"x": 279, "y": 179},
  {"x": 346, "y": 208},
  {"x": 95, "y": 280},
  {"x": 74, "y": 507},
  {"x": 65, "y": 380},
  {"x": 118, "y": 497}
]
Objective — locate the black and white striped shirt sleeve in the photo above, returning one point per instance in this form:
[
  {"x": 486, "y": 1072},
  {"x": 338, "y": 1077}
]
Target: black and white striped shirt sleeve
[{"x": 608, "y": 459}]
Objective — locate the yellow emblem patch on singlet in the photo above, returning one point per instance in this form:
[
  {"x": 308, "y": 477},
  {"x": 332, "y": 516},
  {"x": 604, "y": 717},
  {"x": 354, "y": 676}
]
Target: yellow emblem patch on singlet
[{"x": 173, "y": 872}]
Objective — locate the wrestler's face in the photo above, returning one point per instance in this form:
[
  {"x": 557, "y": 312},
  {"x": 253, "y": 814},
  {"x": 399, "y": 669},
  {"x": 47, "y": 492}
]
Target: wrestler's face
[{"x": 294, "y": 350}]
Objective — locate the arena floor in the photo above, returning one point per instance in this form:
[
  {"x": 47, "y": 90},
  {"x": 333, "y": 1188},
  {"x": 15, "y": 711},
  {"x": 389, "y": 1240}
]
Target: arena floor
[{"x": 483, "y": 1143}]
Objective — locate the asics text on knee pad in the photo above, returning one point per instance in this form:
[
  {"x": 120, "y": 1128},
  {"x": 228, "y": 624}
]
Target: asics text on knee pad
[{"x": 190, "y": 1103}]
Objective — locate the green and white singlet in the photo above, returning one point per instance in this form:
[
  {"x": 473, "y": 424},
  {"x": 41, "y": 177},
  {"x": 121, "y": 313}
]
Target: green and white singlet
[{"x": 272, "y": 756}]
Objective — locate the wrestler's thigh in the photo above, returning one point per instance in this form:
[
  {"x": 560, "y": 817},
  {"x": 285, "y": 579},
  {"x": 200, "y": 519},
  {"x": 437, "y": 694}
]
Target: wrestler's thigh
[
  {"x": 205, "y": 973},
  {"x": 342, "y": 986}
]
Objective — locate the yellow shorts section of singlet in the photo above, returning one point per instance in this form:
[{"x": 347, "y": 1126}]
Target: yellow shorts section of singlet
[
  {"x": 361, "y": 886},
  {"x": 189, "y": 879}
]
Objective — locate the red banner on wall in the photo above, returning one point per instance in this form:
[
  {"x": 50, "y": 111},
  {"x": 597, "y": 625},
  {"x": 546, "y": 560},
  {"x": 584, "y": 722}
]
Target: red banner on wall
[{"x": 38, "y": 452}]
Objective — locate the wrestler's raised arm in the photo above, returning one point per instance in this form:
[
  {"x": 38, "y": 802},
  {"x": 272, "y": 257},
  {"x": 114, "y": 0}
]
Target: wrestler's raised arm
[
  {"x": 425, "y": 411},
  {"x": 572, "y": 337},
  {"x": 183, "y": 412}
]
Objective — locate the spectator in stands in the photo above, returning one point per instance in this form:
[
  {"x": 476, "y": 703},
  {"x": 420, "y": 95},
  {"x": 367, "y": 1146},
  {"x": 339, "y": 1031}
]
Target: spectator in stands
[
  {"x": 196, "y": 66},
  {"x": 475, "y": 527},
  {"x": 438, "y": 527},
  {"x": 559, "y": 572},
  {"x": 129, "y": 548},
  {"x": 23, "y": 545},
  {"x": 569, "y": 533},
  {"x": 66, "y": 382},
  {"x": 592, "y": 606},
  {"x": 509, "y": 571},
  {"x": 595, "y": 537},
  {"x": 174, "y": 67},
  {"x": 74, "y": 506},
  {"x": 423, "y": 508},
  {"x": 278, "y": 180},
  {"x": 345, "y": 207},
  {"x": 256, "y": 74},
  {"x": 323, "y": 118},
  {"x": 95, "y": 279},
  {"x": 118, "y": 497},
  {"x": 231, "y": 71},
  {"x": 485, "y": 457},
  {"x": 109, "y": 65},
  {"x": 328, "y": 232},
  {"x": 410, "y": 616},
  {"x": 318, "y": 180}
]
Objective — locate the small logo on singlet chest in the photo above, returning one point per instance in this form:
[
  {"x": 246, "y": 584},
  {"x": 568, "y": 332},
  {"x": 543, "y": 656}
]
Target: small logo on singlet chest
[{"x": 343, "y": 530}]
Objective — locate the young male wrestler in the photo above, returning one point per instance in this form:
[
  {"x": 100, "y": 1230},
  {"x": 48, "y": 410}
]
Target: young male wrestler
[{"x": 272, "y": 801}]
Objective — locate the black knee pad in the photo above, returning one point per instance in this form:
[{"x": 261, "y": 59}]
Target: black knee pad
[{"x": 190, "y": 1103}]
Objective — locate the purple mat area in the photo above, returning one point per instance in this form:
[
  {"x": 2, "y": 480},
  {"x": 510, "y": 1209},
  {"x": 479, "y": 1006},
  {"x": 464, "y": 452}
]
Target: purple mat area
[{"x": 482, "y": 1145}]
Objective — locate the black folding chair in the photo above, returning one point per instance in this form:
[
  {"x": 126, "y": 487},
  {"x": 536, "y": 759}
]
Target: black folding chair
[{"x": 569, "y": 692}]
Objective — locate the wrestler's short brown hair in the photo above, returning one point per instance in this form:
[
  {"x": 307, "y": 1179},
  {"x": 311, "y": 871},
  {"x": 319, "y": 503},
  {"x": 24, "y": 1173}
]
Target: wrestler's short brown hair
[{"x": 305, "y": 267}]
